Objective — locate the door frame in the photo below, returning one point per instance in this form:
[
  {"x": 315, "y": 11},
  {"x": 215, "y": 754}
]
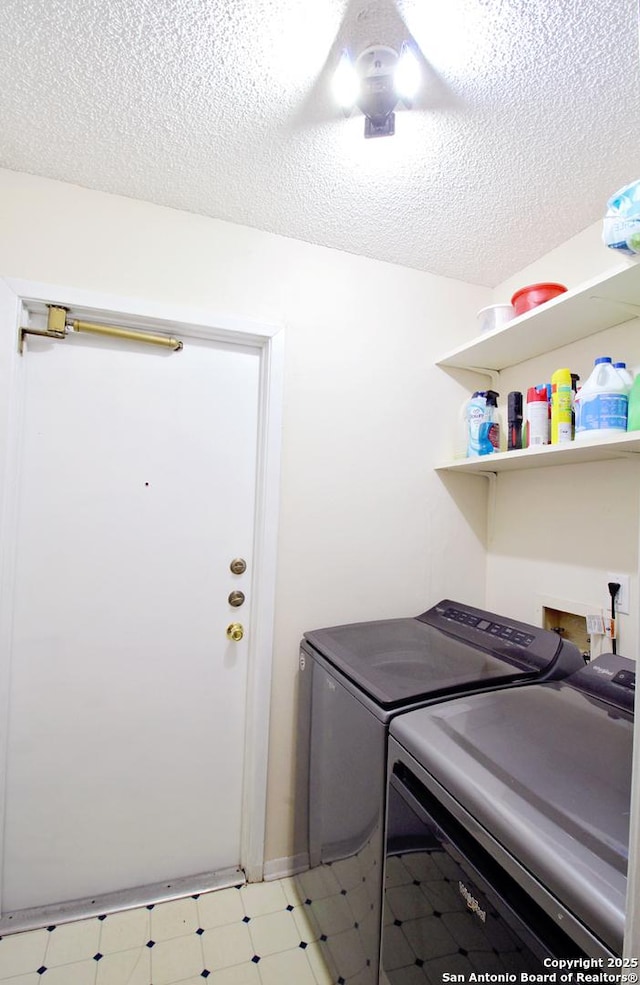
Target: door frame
[{"x": 190, "y": 322}]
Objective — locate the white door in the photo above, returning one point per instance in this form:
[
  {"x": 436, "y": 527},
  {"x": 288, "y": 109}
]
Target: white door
[{"x": 126, "y": 738}]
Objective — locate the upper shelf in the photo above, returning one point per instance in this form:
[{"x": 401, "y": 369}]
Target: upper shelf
[{"x": 583, "y": 311}]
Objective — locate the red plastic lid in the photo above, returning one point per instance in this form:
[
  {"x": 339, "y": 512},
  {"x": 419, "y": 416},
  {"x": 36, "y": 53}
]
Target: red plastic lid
[{"x": 538, "y": 287}]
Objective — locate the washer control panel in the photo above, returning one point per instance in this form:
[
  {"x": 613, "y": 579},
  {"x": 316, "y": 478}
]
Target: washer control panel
[
  {"x": 529, "y": 647},
  {"x": 499, "y": 629},
  {"x": 625, "y": 678}
]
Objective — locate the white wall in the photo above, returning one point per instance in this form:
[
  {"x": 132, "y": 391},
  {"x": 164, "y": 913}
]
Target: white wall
[
  {"x": 559, "y": 531},
  {"x": 367, "y": 529}
]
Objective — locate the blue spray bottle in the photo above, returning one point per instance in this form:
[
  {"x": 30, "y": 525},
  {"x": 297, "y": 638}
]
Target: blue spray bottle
[
  {"x": 490, "y": 428},
  {"x": 474, "y": 414}
]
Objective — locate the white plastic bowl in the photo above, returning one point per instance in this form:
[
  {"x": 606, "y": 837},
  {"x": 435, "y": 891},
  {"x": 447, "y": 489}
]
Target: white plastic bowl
[{"x": 494, "y": 316}]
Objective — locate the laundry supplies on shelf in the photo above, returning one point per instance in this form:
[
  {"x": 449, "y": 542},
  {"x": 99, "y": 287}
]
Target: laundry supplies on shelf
[
  {"x": 633, "y": 418},
  {"x": 514, "y": 421},
  {"x": 602, "y": 403},
  {"x": 621, "y": 226},
  {"x": 537, "y": 418},
  {"x": 625, "y": 373},
  {"x": 611, "y": 301},
  {"x": 482, "y": 423},
  {"x": 554, "y": 413},
  {"x": 561, "y": 407}
]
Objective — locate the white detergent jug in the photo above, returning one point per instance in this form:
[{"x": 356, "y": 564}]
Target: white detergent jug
[
  {"x": 626, "y": 374},
  {"x": 602, "y": 404}
]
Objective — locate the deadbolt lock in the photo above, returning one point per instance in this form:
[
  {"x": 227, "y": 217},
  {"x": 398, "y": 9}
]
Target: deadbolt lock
[
  {"x": 235, "y": 599},
  {"x": 238, "y": 565},
  {"x": 235, "y": 631}
]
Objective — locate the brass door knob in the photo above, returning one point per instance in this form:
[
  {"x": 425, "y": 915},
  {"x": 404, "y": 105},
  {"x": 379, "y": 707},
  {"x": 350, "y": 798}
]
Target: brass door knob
[{"x": 235, "y": 631}]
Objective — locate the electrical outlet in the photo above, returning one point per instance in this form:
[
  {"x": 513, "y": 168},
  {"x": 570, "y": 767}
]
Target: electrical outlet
[{"x": 622, "y": 598}]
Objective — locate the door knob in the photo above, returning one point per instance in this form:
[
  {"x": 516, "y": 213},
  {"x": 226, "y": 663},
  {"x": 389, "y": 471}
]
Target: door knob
[{"x": 235, "y": 631}]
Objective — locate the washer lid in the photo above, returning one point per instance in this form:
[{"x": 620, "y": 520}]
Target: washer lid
[
  {"x": 546, "y": 770},
  {"x": 451, "y": 648}
]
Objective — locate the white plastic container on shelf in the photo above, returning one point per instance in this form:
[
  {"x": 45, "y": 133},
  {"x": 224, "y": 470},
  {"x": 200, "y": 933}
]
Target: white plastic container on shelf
[
  {"x": 602, "y": 403},
  {"x": 494, "y": 316}
]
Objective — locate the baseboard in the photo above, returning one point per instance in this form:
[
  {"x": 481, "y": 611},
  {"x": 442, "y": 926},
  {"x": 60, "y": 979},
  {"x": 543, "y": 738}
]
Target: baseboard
[
  {"x": 280, "y": 868},
  {"x": 34, "y": 918}
]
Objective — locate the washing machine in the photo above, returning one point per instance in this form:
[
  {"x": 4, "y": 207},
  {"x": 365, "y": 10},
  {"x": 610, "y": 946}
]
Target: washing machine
[
  {"x": 355, "y": 680},
  {"x": 508, "y": 829}
]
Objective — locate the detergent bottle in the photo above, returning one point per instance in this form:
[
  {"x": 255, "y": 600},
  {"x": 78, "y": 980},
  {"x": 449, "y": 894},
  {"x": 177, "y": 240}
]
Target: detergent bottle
[
  {"x": 603, "y": 403},
  {"x": 626, "y": 375},
  {"x": 474, "y": 413}
]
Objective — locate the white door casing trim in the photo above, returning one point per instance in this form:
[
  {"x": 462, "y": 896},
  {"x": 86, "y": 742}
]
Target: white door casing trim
[{"x": 191, "y": 322}]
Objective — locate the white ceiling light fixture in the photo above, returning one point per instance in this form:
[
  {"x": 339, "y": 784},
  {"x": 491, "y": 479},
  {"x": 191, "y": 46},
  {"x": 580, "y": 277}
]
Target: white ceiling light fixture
[{"x": 375, "y": 83}]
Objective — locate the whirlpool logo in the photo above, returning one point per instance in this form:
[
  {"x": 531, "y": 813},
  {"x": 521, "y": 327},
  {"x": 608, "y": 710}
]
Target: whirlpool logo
[{"x": 472, "y": 902}]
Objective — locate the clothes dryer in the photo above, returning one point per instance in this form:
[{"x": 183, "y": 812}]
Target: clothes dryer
[{"x": 508, "y": 830}]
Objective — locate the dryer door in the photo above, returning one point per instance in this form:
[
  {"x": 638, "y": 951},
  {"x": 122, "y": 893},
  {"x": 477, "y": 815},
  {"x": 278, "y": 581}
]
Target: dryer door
[{"x": 449, "y": 907}]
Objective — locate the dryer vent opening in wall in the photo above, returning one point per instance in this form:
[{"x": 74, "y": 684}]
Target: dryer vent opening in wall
[{"x": 570, "y": 626}]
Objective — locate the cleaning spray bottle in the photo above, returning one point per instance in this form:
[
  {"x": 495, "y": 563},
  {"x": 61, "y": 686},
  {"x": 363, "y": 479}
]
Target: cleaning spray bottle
[
  {"x": 575, "y": 379},
  {"x": 474, "y": 413},
  {"x": 490, "y": 428},
  {"x": 547, "y": 388}
]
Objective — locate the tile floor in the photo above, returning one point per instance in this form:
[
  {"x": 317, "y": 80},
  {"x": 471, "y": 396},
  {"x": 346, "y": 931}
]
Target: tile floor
[
  {"x": 315, "y": 929},
  {"x": 258, "y": 934}
]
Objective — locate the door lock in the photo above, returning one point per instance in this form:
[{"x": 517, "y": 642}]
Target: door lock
[
  {"x": 238, "y": 565},
  {"x": 235, "y": 599},
  {"x": 235, "y": 631}
]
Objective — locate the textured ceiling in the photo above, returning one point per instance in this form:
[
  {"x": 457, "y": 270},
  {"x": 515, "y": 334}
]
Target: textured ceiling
[{"x": 528, "y": 120}]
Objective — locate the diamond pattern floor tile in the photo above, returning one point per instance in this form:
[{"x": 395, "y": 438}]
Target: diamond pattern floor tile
[{"x": 259, "y": 934}]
